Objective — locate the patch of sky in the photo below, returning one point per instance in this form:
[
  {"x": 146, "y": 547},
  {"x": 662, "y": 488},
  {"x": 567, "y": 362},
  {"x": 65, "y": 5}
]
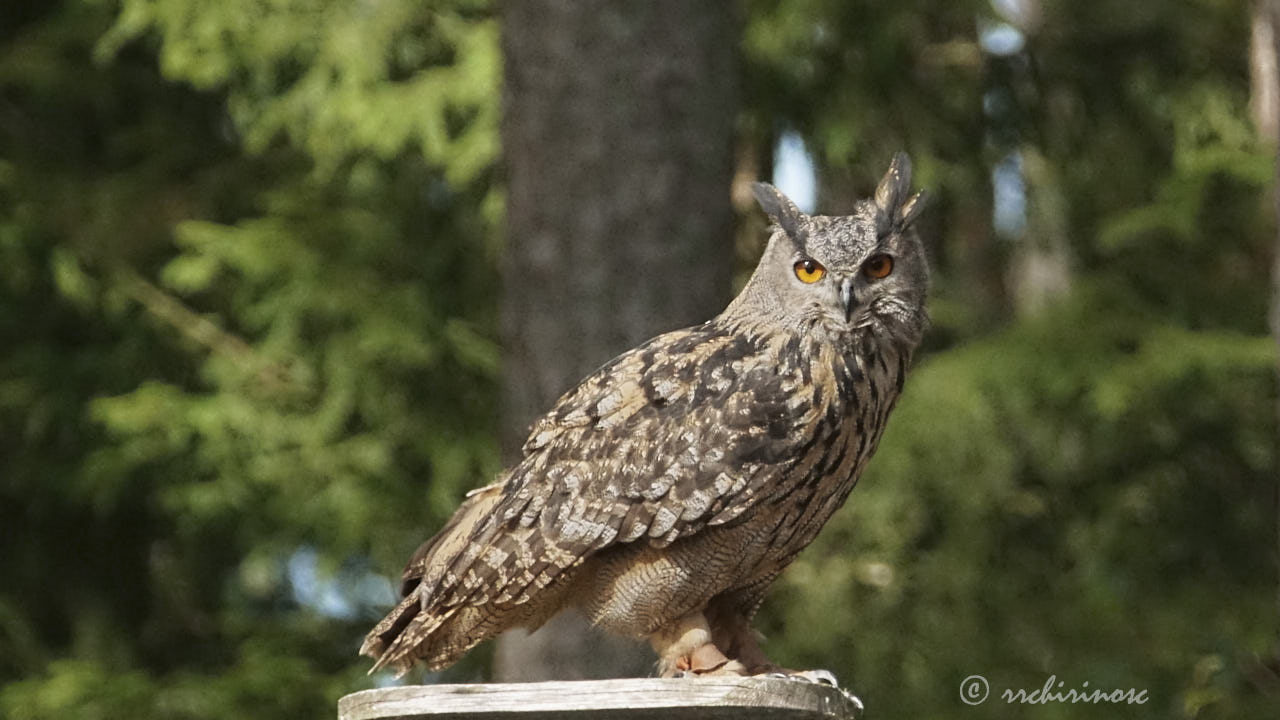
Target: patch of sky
[{"x": 793, "y": 171}]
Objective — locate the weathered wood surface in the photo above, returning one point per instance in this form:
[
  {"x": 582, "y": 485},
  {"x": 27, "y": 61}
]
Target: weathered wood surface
[{"x": 753, "y": 698}]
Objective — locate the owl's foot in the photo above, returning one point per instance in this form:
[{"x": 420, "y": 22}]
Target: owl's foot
[
  {"x": 706, "y": 660},
  {"x": 685, "y": 649}
]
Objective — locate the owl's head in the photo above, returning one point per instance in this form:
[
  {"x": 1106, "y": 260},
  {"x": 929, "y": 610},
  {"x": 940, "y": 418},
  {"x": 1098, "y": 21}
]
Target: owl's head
[{"x": 859, "y": 273}]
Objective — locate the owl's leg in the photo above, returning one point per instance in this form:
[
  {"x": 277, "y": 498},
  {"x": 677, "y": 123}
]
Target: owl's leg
[
  {"x": 731, "y": 630},
  {"x": 729, "y": 616},
  {"x": 685, "y": 647}
]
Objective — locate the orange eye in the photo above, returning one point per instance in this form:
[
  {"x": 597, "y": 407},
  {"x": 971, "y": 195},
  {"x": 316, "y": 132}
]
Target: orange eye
[
  {"x": 878, "y": 267},
  {"x": 809, "y": 271}
]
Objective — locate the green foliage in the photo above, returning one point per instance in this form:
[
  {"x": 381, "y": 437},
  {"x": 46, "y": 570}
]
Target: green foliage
[
  {"x": 1089, "y": 492},
  {"x": 309, "y": 69},
  {"x": 248, "y": 301},
  {"x": 232, "y": 341}
]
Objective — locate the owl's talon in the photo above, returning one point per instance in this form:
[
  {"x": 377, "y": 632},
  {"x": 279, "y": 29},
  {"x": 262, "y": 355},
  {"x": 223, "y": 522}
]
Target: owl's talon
[
  {"x": 707, "y": 659},
  {"x": 732, "y": 668},
  {"x": 817, "y": 677}
]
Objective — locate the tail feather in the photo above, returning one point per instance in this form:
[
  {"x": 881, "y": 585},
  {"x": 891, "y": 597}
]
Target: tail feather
[
  {"x": 413, "y": 641},
  {"x": 422, "y": 626},
  {"x": 438, "y": 639},
  {"x": 388, "y": 629}
]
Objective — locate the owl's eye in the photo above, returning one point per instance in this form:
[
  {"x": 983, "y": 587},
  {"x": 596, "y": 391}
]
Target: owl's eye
[
  {"x": 809, "y": 270},
  {"x": 877, "y": 267}
]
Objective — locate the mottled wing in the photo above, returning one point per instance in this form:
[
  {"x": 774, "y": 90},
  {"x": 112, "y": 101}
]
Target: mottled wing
[
  {"x": 450, "y": 541},
  {"x": 689, "y": 430}
]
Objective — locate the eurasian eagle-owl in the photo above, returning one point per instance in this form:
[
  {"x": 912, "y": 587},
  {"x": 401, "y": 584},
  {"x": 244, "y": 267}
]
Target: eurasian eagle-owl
[{"x": 664, "y": 494}]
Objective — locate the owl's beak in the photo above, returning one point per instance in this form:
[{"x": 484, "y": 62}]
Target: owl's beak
[{"x": 846, "y": 298}]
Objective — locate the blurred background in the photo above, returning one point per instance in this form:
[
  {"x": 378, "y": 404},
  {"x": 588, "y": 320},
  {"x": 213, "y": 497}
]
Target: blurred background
[{"x": 280, "y": 281}]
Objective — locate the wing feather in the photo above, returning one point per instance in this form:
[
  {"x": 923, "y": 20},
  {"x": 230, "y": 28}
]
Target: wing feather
[{"x": 691, "y": 429}]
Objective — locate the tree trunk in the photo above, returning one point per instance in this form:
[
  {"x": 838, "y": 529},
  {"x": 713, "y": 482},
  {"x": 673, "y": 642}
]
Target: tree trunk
[
  {"x": 1264, "y": 76},
  {"x": 617, "y": 130},
  {"x": 1040, "y": 266},
  {"x": 1264, "y": 64}
]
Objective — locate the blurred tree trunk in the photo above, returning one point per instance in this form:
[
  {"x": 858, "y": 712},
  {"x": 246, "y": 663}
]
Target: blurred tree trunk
[
  {"x": 617, "y": 135},
  {"x": 1264, "y": 66},
  {"x": 1264, "y": 76},
  {"x": 1030, "y": 203},
  {"x": 1040, "y": 268}
]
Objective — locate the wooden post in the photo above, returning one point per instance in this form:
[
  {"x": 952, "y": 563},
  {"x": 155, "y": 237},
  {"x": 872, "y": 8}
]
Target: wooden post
[{"x": 715, "y": 698}]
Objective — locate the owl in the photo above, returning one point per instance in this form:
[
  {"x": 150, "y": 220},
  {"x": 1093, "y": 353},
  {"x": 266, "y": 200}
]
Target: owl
[{"x": 665, "y": 493}]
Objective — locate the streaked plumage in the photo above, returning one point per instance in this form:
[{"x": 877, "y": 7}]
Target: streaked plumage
[{"x": 663, "y": 495}]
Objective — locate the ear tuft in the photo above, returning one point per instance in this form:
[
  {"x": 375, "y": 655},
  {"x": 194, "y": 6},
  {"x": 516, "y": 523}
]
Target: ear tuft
[
  {"x": 895, "y": 184},
  {"x": 781, "y": 210},
  {"x": 892, "y": 194},
  {"x": 912, "y": 208}
]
